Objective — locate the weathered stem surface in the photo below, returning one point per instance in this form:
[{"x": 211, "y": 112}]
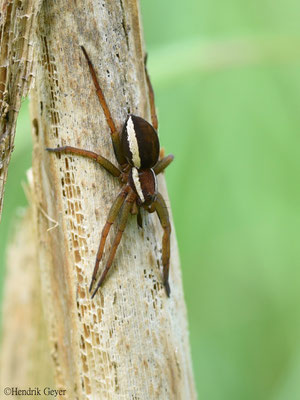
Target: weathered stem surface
[
  {"x": 17, "y": 22},
  {"x": 25, "y": 352},
  {"x": 130, "y": 341}
]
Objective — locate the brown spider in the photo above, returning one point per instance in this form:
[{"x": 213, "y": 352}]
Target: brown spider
[{"x": 137, "y": 152}]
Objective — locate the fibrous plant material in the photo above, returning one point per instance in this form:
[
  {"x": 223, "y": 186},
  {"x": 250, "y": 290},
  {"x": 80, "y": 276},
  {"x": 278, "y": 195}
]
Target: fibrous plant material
[
  {"x": 17, "y": 24},
  {"x": 25, "y": 352},
  {"x": 131, "y": 340}
]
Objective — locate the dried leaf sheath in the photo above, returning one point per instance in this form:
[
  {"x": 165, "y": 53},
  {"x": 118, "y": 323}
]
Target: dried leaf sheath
[
  {"x": 18, "y": 21},
  {"x": 130, "y": 340}
]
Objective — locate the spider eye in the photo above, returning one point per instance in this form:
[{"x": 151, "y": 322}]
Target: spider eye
[
  {"x": 144, "y": 184},
  {"x": 140, "y": 143}
]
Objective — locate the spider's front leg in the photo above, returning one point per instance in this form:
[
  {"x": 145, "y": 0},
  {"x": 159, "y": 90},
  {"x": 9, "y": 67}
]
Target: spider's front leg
[
  {"x": 130, "y": 199},
  {"x": 113, "y": 213},
  {"x": 162, "y": 211},
  {"x": 110, "y": 167}
]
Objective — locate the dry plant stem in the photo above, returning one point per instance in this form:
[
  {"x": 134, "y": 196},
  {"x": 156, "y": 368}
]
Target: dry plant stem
[
  {"x": 130, "y": 341},
  {"x": 17, "y": 22},
  {"x": 25, "y": 353}
]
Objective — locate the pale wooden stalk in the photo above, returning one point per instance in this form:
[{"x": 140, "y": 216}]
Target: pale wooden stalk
[
  {"x": 131, "y": 341},
  {"x": 25, "y": 351},
  {"x": 17, "y": 24}
]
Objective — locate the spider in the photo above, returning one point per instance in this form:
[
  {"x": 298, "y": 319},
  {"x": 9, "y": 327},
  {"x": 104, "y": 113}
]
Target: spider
[{"x": 137, "y": 151}]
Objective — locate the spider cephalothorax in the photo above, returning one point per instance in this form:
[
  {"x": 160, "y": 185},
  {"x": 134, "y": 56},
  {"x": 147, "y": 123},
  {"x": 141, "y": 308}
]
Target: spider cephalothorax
[{"x": 137, "y": 152}]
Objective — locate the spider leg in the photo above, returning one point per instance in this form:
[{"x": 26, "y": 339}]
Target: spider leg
[
  {"x": 89, "y": 154},
  {"x": 163, "y": 164},
  {"x": 114, "y": 133},
  {"x": 139, "y": 219},
  {"x": 113, "y": 213},
  {"x": 123, "y": 221},
  {"x": 151, "y": 98},
  {"x": 162, "y": 211},
  {"x": 135, "y": 209}
]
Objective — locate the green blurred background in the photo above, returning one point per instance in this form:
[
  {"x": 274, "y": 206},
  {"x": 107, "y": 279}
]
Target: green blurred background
[{"x": 227, "y": 83}]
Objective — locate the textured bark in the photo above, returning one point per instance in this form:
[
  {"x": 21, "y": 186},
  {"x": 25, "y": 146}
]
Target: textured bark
[
  {"x": 130, "y": 341},
  {"x": 17, "y": 22},
  {"x": 25, "y": 352}
]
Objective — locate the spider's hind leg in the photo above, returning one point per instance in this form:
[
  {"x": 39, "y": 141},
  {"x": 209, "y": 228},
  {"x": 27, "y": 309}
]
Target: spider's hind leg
[
  {"x": 151, "y": 97},
  {"x": 115, "y": 137},
  {"x": 110, "y": 167},
  {"x": 163, "y": 164}
]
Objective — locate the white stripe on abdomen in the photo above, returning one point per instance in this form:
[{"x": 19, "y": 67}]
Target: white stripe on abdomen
[{"x": 133, "y": 144}]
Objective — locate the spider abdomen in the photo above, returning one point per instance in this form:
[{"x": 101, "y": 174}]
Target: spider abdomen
[{"x": 140, "y": 143}]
